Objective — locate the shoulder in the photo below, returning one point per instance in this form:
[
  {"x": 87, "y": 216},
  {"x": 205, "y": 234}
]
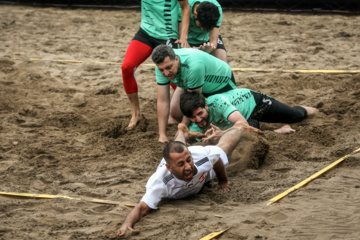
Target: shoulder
[
  {"x": 217, "y": 99},
  {"x": 190, "y": 54},
  {"x": 160, "y": 178},
  {"x": 200, "y": 153},
  {"x": 207, "y": 156}
]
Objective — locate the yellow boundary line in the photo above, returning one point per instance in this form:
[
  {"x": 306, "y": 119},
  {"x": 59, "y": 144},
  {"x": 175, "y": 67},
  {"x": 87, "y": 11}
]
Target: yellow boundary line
[
  {"x": 213, "y": 235},
  {"x": 306, "y": 181},
  {"x": 46, "y": 196},
  {"x": 94, "y": 200},
  {"x": 234, "y": 69}
]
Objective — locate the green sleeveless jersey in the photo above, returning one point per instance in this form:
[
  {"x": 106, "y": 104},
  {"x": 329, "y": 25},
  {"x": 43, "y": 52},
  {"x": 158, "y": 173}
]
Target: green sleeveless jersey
[
  {"x": 223, "y": 104},
  {"x": 159, "y": 18},
  {"x": 199, "y": 69}
]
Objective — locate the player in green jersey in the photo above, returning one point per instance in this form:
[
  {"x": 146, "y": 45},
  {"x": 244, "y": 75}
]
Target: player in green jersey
[
  {"x": 159, "y": 25},
  {"x": 204, "y": 28},
  {"x": 190, "y": 70},
  {"x": 221, "y": 111}
]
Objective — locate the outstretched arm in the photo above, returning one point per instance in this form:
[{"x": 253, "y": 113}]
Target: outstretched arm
[
  {"x": 214, "y": 133},
  {"x": 185, "y": 20},
  {"x": 237, "y": 119},
  {"x": 236, "y": 116},
  {"x": 134, "y": 216}
]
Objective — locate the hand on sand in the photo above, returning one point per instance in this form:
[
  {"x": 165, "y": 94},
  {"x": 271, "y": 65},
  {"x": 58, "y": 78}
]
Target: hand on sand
[
  {"x": 123, "y": 230},
  {"x": 224, "y": 186}
]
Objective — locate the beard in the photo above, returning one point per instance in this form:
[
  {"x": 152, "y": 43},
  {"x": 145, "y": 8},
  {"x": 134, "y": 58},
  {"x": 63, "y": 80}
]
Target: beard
[{"x": 207, "y": 122}]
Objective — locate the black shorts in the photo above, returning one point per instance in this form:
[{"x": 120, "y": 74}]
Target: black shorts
[
  {"x": 143, "y": 37},
  {"x": 220, "y": 44},
  {"x": 270, "y": 110}
]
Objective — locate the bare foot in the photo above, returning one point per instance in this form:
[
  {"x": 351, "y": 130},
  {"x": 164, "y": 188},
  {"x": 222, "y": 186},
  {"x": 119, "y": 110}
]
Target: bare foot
[
  {"x": 133, "y": 122},
  {"x": 284, "y": 129},
  {"x": 163, "y": 139},
  {"x": 135, "y": 111},
  {"x": 189, "y": 134},
  {"x": 310, "y": 110}
]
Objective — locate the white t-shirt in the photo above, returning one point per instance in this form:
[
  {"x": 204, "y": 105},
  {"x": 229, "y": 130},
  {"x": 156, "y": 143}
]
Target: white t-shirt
[{"x": 163, "y": 184}]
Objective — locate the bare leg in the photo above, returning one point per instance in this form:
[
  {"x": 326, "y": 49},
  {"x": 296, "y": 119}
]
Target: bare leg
[
  {"x": 135, "y": 108},
  {"x": 136, "y": 53},
  {"x": 287, "y": 128},
  {"x": 284, "y": 129}
]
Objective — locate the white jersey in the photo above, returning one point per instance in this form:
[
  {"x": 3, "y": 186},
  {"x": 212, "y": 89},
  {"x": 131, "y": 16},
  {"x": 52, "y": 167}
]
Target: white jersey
[{"x": 163, "y": 184}]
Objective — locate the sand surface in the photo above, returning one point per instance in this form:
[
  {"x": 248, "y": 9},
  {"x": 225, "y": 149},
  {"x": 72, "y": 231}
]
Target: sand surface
[{"x": 62, "y": 129}]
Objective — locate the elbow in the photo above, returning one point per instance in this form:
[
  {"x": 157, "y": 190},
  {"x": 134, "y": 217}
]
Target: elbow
[{"x": 144, "y": 209}]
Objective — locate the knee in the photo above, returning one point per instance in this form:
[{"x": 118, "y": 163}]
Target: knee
[
  {"x": 220, "y": 54},
  {"x": 177, "y": 115},
  {"x": 299, "y": 114},
  {"x": 127, "y": 68}
]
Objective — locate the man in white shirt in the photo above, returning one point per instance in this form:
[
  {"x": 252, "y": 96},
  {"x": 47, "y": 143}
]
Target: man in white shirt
[{"x": 184, "y": 170}]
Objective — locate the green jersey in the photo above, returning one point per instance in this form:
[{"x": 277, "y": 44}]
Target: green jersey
[
  {"x": 223, "y": 104},
  {"x": 196, "y": 36},
  {"x": 199, "y": 69},
  {"x": 159, "y": 18}
]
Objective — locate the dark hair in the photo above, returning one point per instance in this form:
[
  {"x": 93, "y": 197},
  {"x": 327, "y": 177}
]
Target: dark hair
[
  {"x": 208, "y": 15},
  {"x": 161, "y": 52},
  {"x": 174, "y": 146},
  {"x": 190, "y": 101}
]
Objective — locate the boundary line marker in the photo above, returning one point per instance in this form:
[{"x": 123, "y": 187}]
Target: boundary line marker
[
  {"x": 233, "y": 69},
  {"x": 46, "y": 196},
  {"x": 213, "y": 235},
  {"x": 309, "y": 179}
]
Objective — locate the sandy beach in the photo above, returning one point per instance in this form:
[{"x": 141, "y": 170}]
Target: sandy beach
[{"x": 63, "y": 112}]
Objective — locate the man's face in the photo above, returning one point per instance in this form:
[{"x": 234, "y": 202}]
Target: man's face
[
  {"x": 182, "y": 165},
  {"x": 200, "y": 116},
  {"x": 197, "y": 21},
  {"x": 199, "y": 25},
  {"x": 169, "y": 68}
]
